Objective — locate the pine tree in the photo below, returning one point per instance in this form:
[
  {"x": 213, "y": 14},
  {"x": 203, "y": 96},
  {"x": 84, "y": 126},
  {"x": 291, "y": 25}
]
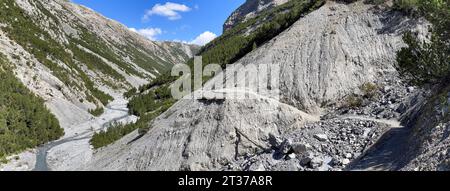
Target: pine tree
[{"x": 428, "y": 62}]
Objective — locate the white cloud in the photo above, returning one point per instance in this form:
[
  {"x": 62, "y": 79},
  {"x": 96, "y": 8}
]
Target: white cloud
[
  {"x": 149, "y": 33},
  {"x": 180, "y": 41},
  {"x": 204, "y": 38},
  {"x": 169, "y": 10},
  {"x": 133, "y": 29}
]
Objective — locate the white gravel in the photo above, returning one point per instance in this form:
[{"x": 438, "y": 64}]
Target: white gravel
[
  {"x": 72, "y": 154},
  {"x": 22, "y": 162}
]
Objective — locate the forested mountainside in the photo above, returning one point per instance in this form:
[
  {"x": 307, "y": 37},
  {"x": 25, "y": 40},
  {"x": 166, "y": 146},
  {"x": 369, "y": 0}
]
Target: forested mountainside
[
  {"x": 75, "y": 61},
  {"x": 25, "y": 122},
  {"x": 250, "y": 9}
]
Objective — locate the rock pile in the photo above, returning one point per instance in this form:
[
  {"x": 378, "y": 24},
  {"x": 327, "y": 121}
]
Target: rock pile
[
  {"x": 321, "y": 146},
  {"x": 390, "y": 101},
  {"x": 435, "y": 155}
]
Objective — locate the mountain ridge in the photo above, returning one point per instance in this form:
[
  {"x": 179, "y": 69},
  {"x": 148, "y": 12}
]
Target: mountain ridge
[{"x": 249, "y": 10}]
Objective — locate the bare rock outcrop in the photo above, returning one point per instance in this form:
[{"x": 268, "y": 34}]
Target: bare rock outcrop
[
  {"x": 429, "y": 137},
  {"x": 249, "y": 10}
]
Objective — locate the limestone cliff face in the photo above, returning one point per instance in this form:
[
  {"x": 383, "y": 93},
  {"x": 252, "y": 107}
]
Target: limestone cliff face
[
  {"x": 324, "y": 57},
  {"x": 249, "y": 10}
]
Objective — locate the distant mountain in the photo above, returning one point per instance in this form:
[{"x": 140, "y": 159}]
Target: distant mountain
[{"x": 250, "y": 9}]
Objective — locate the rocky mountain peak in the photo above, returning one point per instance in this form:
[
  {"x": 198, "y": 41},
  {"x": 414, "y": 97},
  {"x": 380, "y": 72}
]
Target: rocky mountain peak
[{"x": 249, "y": 10}]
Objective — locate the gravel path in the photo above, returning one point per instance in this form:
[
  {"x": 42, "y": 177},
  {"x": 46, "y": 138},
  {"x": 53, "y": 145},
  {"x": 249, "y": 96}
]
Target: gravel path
[{"x": 385, "y": 155}]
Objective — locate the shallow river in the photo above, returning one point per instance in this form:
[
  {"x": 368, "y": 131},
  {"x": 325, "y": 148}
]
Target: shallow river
[{"x": 117, "y": 108}]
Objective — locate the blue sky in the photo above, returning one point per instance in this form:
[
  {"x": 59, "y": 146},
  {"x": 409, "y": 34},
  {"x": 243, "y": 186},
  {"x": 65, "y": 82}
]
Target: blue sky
[{"x": 192, "y": 21}]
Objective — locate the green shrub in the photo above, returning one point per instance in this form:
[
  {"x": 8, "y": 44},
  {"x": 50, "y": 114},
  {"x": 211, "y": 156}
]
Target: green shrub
[
  {"x": 353, "y": 101},
  {"x": 3, "y": 160},
  {"x": 369, "y": 90},
  {"x": 406, "y": 5},
  {"x": 130, "y": 93},
  {"x": 104, "y": 138},
  {"x": 428, "y": 62},
  {"x": 97, "y": 112}
]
